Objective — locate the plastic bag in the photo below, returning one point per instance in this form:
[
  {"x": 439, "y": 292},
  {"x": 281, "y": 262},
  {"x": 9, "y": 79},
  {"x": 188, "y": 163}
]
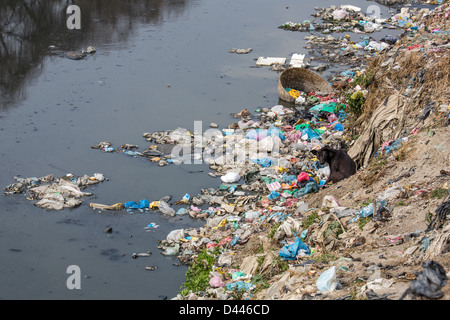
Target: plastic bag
[
  {"x": 165, "y": 208},
  {"x": 367, "y": 211},
  {"x": 338, "y": 127},
  {"x": 273, "y": 195},
  {"x": 327, "y": 281},
  {"x": 309, "y": 134},
  {"x": 278, "y": 109},
  {"x": 251, "y": 215},
  {"x": 429, "y": 282},
  {"x": 310, "y": 187},
  {"x": 141, "y": 204},
  {"x": 332, "y": 117},
  {"x": 303, "y": 176},
  {"x": 300, "y": 100},
  {"x": 324, "y": 172},
  {"x": 216, "y": 282},
  {"x": 266, "y": 144},
  {"x": 175, "y": 235},
  {"x": 172, "y": 251},
  {"x": 240, "y": 286},
  {"x": 230, "y": 177},
  {"x": 291, "y": 251},
  {"x": 339, "y": 14},
  {"x": 182, "y": 211},
  {"x": 264, "y": 162},
  {"x": 259, "y": 134},
  {"x": 391, "y": 192}
]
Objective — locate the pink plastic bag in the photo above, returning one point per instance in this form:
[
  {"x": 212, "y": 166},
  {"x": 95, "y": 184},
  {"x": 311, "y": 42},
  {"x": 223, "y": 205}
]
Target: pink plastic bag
[{"x": 303, "y": 177}]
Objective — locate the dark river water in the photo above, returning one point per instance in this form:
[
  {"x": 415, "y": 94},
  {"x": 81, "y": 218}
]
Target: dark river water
[{"x": 159, "y": 65}]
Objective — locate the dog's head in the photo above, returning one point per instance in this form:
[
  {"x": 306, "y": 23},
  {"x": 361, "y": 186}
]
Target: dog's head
[{"x": 324, "y": 155}]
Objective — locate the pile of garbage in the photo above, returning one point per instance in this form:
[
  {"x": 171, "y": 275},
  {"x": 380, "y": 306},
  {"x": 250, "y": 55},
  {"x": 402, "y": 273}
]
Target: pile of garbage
[
  {"x": 266, "y": 234},
  {"x": 267, "y": 204},
  {"x": 346, "y": 18},
  {"x": 154, "y": 153},
  {"x": 349, "y": 19},
  {"x": 54, "y": 193},
  {"x": 266, "y": 153}
]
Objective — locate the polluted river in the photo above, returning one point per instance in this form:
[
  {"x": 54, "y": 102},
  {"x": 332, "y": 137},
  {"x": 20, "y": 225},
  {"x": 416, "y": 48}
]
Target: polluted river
[{"x": 155, "y": 66}]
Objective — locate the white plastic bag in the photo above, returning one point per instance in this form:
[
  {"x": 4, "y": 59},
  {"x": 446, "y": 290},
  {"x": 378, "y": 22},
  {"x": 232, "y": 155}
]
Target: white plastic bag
[
  {"x": 164, "y": 208},
  {"x": 252, "y": 215},
  {"x": 278, "y": 109},
  {"x": 174, "y": 236},
  {"x": 230, "y": 177},
  {"x": 339, "y": 14},
  {"x": 392, "y": 192},
  {"x": 328, "y": 280},
  {"x": 172, "y": 251},
  {"x": 300, "y": 100}
]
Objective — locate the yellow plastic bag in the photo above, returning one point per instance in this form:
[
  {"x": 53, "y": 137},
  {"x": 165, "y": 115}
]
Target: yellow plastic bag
[
  {"x": 294, "y": 93},
  {"x": 154, "y": 205}
]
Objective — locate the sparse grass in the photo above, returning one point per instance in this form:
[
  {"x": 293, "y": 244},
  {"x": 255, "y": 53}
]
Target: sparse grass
[
  {"x": 364, "y": 79},
  {"x": 363, "y": 221},
  {"x": 439, "y": 193},
  {"x": 401, "y": 203},
  {"x": 311, "y": 219},
  {"x": 260, "y": 283},
  {"x": 428, "y": 217},
  {"x": 197, "y": 275},
  {"x": 260, "y": 249},
  {"x": 403, "y": 152},
  {"x": 334, "y": 228},
  {"x": 380, "y": 161},
  {"x": 363, "y": 204},
  {"x": 325, "y": 257},
  {"x": 375, "y": 171},
  {"x": 279, "y": 265},
  {"x": 237, "y": 294},
  {"x": 273, "y": 229}
]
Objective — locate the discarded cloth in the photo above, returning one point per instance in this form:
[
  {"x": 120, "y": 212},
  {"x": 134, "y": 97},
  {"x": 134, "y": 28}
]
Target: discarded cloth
[{"x": 116, "y": 206}]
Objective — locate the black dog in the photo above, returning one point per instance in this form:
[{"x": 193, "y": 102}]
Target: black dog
[{"x": 341, "y": 165}]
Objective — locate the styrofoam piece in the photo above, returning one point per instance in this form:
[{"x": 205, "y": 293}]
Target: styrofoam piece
[
  {"x": 270, "y": 61},
  {"x": 297, "y": 60},
  {"x": 350, "y": 7}
]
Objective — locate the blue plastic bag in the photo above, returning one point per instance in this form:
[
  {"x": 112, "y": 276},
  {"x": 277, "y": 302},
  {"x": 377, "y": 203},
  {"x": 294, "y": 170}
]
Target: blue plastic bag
[
  {"x": 289, "y": 178},
  {"x": 182, "y": 211},
  {"x": 240, "y": 286},
  {"x": 273, "y": 195},
  {"x": 137, "y": 205},
  {"x": 310, "y": 187},
  {"x": 291, "y": 251},
  {"x": 311, "y": 133},
  {"x": 264, "y": 162},
  {"x": 235, "y": 241},
  {"x": 338, "y": 127}
]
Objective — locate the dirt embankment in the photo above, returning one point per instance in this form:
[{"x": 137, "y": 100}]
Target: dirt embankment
[{"x": 408, "y": 100}]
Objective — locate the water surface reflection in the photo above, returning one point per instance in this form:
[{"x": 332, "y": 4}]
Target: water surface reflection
[{"x": 29, "y": 29}]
